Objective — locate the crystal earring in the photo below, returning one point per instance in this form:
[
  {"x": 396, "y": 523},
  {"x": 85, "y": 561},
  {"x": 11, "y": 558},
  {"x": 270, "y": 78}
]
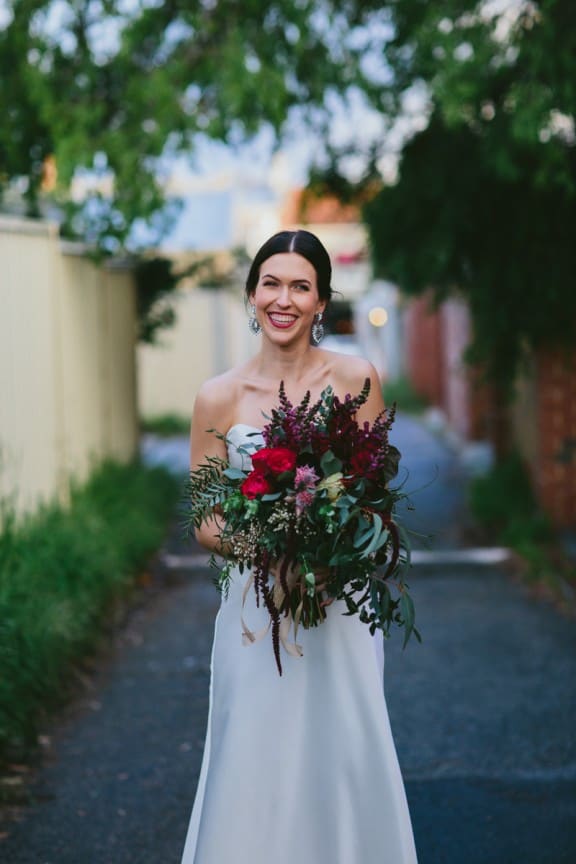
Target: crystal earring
[
  {"x": 253, "y": 321},
  {"x": 317, "y": 329}
]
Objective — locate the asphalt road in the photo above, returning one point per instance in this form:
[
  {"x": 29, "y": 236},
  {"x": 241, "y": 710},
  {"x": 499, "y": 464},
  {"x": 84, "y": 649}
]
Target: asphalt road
[{"x": 482, "y": 713}]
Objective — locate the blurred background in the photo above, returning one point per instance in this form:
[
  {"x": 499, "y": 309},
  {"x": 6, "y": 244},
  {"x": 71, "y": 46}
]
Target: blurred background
[{"x": 147, "y": 150}]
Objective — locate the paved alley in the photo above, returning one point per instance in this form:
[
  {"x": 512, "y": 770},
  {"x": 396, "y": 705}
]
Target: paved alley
[{"x": 482, "y": 713}]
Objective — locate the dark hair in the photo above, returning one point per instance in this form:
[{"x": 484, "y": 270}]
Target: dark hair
[{"x": 305, "y": 244}]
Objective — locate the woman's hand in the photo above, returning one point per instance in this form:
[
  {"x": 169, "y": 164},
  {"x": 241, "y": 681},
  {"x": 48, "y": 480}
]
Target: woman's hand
[
  {"x": 322, "y": 575},
  {"x": 294, "y": 575}
]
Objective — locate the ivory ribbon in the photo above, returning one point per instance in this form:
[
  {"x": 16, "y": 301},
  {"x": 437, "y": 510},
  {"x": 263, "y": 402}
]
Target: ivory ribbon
[{"x": 286, "y": 621}]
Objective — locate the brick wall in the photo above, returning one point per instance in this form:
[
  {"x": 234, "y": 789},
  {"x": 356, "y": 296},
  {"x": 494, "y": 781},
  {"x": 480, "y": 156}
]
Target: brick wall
[
  {"x": 541, "y": 423},
  {"x": 555, "y": 465},
  {"x": 423, "y": 346},
  {"x": 435, "y": 342}
]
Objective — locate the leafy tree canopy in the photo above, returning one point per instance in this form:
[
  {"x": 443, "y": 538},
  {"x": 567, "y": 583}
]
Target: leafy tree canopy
[
  {"x": 113, "y": 88},
  {"x": 485, "y": 204}
]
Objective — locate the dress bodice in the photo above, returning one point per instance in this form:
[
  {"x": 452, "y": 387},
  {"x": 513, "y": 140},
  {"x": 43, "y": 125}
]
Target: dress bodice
[{"x": 242, "y": 440}]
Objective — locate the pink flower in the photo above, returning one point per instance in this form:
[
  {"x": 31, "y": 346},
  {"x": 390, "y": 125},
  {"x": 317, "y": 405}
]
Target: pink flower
[
  {"x": 305, "y": 477},
  {"x": 303, "y": 500}
]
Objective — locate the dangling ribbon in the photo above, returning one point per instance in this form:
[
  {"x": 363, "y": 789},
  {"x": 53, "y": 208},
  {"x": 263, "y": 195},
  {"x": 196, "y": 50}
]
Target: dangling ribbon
[{"x": 286, "y": 622}]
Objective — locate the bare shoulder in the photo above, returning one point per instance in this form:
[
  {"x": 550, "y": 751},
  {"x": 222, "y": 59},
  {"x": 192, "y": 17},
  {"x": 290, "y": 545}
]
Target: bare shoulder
[
  {"x": 215, "y": 401},
  {"x": 350, "y": 372}
]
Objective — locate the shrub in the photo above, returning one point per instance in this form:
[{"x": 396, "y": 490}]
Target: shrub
[
  {"x": 60, "y": 571},
  {"x": 402, "y": 392},
  {"x": 504, "y": 504},
  {"x": 166, "y": 424}
]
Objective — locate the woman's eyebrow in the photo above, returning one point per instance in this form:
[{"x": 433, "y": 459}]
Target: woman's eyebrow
[{"x": 271, "y": 276}]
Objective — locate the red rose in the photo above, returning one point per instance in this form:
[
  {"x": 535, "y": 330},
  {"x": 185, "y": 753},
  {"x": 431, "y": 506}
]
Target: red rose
[
  {"x": 274, "y": 460},
  {"x": 255, "y": 484}
]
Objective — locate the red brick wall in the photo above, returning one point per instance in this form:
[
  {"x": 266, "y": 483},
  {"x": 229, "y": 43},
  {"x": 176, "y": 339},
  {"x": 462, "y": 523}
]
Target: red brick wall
[
  {"x": 434, "y": 340},
  {"x": 456, "y": 386},
  {"x": 423, "y": 346},
  {"x": 555, "y": 472}
]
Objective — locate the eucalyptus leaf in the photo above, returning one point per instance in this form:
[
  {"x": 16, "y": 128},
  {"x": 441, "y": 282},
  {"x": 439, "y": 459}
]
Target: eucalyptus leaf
[
  {"x": 234, "y": 474},
  {"x": 380, "y": 537},
  {"x": 330, "y": 464},
  {"x": 407, "y": 613}
]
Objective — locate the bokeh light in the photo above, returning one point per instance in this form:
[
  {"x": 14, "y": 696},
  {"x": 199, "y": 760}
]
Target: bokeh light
[{"x": 378, "y": 316}]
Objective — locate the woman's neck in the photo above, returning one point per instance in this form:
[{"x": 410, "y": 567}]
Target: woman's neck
[{"x": 288, "y": 363}]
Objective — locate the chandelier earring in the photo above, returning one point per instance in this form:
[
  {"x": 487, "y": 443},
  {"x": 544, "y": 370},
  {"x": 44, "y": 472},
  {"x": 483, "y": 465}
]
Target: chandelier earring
[
  {"x": 317, "y": 329},
  {"x": 253, "y": 321}
]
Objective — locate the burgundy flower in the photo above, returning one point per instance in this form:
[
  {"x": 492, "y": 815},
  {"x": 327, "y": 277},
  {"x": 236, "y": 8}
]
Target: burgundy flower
[
  {"x": 255, "y": 484},
  {"x": 361, "y": 462}
]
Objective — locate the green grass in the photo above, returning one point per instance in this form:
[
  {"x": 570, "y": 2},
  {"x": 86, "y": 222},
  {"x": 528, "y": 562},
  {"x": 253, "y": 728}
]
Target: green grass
[
  {"x": 60, "y": 573},
  {"x": 402, "y": 392},
  {"x": 166, "y": 425}
]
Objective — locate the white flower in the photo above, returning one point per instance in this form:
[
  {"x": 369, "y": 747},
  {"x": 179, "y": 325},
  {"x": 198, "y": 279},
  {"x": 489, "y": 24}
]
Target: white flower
[{"x": 333, "y": 485}]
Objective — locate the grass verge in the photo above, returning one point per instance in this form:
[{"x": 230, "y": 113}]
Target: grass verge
[
  {"x": 60, "y": 573},
  {"x": 402, "y": 392},
  {"x": 504, "y": 506},
  {"x": 166, "y": 425}
]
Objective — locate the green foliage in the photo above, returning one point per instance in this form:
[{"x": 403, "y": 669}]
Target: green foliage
[
  {"x": 60, "y": 572},
  {"x": 485, "y": 205},
  {"x": 403, "y": 394},
  {"x": 504, "y": 504},
  {"x": 155, "y": 282},
  {"x": 113, "y": 89},
  {"x": 506, "y": 244},
  {"x": 166, "y": 425}
]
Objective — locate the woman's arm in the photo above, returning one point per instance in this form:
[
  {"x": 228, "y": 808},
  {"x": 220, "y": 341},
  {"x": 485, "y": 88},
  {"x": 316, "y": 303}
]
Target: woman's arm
[{"x": 210, "y": 412}]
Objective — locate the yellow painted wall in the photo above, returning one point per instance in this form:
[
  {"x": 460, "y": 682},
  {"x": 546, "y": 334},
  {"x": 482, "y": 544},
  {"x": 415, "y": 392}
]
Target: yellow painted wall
[
  {"x": 67, "y": 364},
  {"x": 211, "y": 335}
]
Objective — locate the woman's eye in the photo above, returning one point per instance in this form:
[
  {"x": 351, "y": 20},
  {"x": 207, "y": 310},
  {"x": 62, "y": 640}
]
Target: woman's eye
[{"x": 302, "y": 287}]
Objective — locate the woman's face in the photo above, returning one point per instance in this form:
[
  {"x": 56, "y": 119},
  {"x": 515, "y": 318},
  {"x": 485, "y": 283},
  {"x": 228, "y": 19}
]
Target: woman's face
[{"x": 286, "y": 297}]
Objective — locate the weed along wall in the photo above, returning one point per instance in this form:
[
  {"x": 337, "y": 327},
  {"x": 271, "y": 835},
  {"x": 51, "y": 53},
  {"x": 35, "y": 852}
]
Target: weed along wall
[{"x": 67, "y": 364}]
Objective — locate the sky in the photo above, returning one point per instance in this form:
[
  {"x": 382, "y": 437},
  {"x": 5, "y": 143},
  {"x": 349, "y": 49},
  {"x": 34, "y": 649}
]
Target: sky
[{"x": 217, "y": 180}]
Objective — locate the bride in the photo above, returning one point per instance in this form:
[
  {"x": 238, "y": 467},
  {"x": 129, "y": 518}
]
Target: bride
[{"x": 299, "y": 768}]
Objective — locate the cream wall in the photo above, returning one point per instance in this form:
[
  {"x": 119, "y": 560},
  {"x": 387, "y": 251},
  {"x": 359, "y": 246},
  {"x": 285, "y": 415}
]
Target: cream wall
[
  {"x": 67, "y": 364},
  {"x": 211, "y": 335}
]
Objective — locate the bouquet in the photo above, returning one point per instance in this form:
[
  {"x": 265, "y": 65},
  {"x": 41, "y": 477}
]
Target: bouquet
[{"x": 312, "y": 518}]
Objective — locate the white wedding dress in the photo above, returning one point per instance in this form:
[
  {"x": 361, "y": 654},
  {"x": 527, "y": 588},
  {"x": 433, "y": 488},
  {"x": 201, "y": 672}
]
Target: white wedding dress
[{"x": 298, "y": 769}]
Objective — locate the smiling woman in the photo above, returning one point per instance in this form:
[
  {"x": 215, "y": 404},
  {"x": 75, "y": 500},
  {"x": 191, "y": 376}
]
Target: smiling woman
[
  {"x": 286, "y": 297},
  {"x": 303, "y": 766},
  {"x": 292, "y": 290}
]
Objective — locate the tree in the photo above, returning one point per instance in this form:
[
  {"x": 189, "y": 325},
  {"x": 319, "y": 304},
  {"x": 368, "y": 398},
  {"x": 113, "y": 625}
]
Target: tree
[
  {"x": 485, "y": 204},
  {"x": 113, "y": 90}
]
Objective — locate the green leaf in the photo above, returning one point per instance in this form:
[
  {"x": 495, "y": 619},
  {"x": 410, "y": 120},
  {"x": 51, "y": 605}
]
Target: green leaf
[
  {"x": 379, "y": 537},
  {"x": 330, "y": 464},
  {"x": 235, "y": 474},
  {"x": 408, "y": 614}
]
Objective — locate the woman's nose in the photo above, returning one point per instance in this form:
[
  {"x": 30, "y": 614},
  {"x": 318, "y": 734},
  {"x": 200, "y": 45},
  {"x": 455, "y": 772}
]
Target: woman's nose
[{"x": 284, "y": 296}]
